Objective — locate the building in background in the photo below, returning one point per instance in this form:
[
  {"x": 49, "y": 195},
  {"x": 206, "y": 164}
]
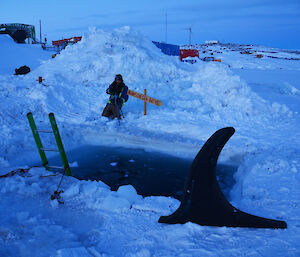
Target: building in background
[
  {"x": 19, "y": 32},
  {"x": 212, "y": 42},
  {"x": 168, "y": 49},
  {"x": 61, "y": 44}
]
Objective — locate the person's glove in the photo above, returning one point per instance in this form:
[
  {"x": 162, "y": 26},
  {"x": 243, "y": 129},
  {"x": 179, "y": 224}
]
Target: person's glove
[{"x": 111, "y": 91}]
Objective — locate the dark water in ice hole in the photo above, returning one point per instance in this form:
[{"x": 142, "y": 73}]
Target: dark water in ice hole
[{"x": 150, "y": 173}]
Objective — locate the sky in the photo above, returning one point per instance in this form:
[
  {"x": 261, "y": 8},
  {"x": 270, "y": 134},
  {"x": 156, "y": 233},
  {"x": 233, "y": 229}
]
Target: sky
[{"x": 274, "y": 23}]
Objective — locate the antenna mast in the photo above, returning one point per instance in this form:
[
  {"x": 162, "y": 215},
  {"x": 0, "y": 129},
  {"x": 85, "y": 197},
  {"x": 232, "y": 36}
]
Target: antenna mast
[
  {"x": 40, "y": 31},
  {"x": 190, "y": 35},
  {"x": 166, "y": 32}
]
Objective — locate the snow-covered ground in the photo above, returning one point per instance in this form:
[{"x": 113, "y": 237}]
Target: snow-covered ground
[
  {"x": 16, "y": 55},
  {"x": 258, "y": 97}
]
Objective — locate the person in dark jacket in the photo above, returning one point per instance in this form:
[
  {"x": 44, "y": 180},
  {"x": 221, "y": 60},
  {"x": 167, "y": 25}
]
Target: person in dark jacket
[{"x": 118, "y": 96}]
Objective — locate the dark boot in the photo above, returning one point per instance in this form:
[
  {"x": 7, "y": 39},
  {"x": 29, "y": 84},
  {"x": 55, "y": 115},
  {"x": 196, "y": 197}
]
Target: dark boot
[
  {"x": 107, "y": 112},
  {"x": 115, "y": 111},
  {"x": 111, "y": 111}
]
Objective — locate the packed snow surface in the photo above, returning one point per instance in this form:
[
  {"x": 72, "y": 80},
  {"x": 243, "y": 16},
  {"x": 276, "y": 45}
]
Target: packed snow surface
[
  {"x": 258, "y": 97},
  {"x": 14, "y": 55}
]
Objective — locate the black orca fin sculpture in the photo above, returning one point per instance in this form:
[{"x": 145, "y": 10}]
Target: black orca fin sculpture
[{"x": 203, "y": 201}]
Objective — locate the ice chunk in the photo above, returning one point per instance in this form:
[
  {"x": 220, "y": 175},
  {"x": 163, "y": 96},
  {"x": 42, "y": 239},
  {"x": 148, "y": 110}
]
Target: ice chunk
[{"x": 129, "y": 193}]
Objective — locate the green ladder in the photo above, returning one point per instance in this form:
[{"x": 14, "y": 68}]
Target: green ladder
[{"x": 42, "y": 150}]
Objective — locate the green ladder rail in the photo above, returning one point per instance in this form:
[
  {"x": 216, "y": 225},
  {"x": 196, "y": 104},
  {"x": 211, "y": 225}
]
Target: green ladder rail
[{"x": 59, "y": 143}]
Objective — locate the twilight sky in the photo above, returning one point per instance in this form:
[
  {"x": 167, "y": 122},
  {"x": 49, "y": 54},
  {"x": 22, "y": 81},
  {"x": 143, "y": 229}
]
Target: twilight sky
[{"x": 266, "y": 22}]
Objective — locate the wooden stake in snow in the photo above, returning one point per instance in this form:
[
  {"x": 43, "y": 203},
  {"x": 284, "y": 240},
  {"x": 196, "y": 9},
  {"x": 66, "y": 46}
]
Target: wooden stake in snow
[{"x": 145, "y": 98}]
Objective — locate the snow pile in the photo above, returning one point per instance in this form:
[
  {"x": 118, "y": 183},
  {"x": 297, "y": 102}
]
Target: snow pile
[
  {"x": 222, "y": 96},
  {"x": 95, "y": 195},
  {"x": 201, "y": 91},
  {"x": 102, "y": 54},
  {"x": 197, "y": 99},
  {"x": 15, "y": 55},
  {"x": 41, "y": 227},
  {"x": 268, "y": 181}
]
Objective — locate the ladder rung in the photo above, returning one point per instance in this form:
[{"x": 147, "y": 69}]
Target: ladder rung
[
  {"x": 55, "y": 167},
  {"x": 44, "y": 131},
  {"x": 49, "y": 150}
]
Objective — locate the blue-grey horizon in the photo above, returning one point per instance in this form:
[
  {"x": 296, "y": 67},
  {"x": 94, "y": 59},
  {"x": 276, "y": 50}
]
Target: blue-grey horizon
[{"x": 272, "y": 23}]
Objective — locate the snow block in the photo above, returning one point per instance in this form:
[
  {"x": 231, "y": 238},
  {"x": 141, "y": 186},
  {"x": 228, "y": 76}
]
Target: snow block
[
  {"x": 203, "y": 201},
  {"x": 129, "y": 193}
]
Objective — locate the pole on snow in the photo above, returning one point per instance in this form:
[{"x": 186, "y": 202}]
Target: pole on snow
[
  {"x": 60, "y": 144},
  {"x": 145, "y": 103},
  {"x": 37, "y": 139},
  {"x": 144, "y": 98}
]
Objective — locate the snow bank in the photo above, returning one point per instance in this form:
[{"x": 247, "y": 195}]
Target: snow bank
[
  {"x": 209, "y": 90},
  {"x": 95, "y": 221},
  {"x": 218, "y": 94},
  {"x": 87, "y": 195},
  {"x": 268, "y": 182},
  {"x": 102, "y": 54}
]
